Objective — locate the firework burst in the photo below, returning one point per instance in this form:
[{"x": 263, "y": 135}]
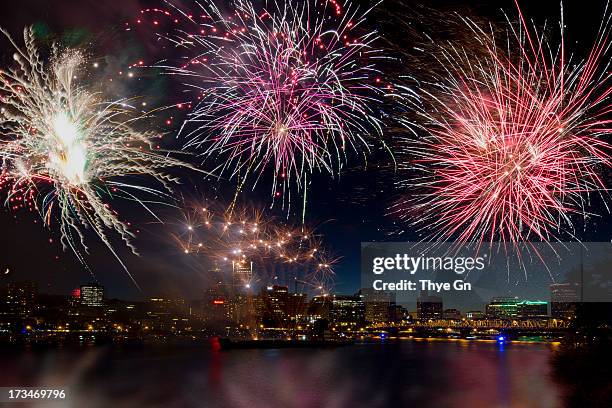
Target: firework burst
[
  {"x": 514, "y": 139},
  {"x": 64, "y": 148},
  {"x": 275, "y": 252},
  {"x": 288, "y": 89}
]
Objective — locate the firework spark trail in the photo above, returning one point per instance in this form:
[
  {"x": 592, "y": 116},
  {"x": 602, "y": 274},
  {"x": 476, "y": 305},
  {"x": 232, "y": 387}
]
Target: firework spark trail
[
  {"x": 288, "y": 89},
  {"x": 514, "y": 140},
  {"x": 243, "y": 236},
  {"x": 64, "y": 148}
]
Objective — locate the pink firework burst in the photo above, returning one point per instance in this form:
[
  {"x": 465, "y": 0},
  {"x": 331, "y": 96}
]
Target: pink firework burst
[
  {"x": 514, "y": 141},
  {"x": 288, "y": 89}
]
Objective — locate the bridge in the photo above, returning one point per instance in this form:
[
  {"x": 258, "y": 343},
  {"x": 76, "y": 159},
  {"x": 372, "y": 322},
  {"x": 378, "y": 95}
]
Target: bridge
[{"x": 480, "y": 324}]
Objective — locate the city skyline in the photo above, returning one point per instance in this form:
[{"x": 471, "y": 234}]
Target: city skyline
[
  {"x": 90, "y": 315},
  {"x": 95, "y": 294}
]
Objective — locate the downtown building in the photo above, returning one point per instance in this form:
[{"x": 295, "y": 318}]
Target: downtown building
[
  {"x": 278, "y": 308},
  {"x": 429, "y": 307},
  {"x": 87, "y": 307},
  {"x": 319, "y": 308},
  {"x": 510, "y": 308},
  {"x": 564, "y": 299},
  {"x": 217, "y": 306},
  {"x": 502, "y": 307},
  {"x": 18, "y": 305},
  {"x": 166, "y": 315},
  {"x": 91, "y": 295},
  {"x": 475, "y": 315},
  {"x": 19, "y": 300},
  {"x": 240, "y": 304},
  {"x": 530, "y": 309},
  {"x": 242, "y": 275},
  {"x": 379, "y": 306},
  {"x": 347, "y": 312},
  {"x": 452, "y": 314}
]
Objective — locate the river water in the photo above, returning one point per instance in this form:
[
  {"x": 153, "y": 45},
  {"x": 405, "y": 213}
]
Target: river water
[{"x": 422, "y": 374}]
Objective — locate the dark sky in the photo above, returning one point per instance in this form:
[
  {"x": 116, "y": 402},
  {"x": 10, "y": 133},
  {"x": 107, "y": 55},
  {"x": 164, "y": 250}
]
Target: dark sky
[{"x": 350, "y": 209}]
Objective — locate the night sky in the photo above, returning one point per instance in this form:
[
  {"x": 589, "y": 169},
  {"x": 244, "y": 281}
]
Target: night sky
[{"x": 348, "y": 210}]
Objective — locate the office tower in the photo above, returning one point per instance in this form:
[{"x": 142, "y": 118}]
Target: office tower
[
  {"x": 378, "y": 305},
  {"x": 348, "y": 310},
  {"x": 475, "y": 315},
  {"x": 20, "y": 299},
  {"x": 503, "y": 307},
  {"x": 528, "y": 309},
  {"x": 564, "y": 298},
  {"x": 452, "y": 314},
  {"x": 242, "y": 275},
  {"x": 319, "y": 307},
  {"x": 429, "y": 307},
  {"x": 92, "y": 295}
]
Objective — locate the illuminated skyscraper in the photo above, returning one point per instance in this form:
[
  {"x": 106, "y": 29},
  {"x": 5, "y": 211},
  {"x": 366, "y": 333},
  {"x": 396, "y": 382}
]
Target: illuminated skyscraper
[
  {"x": 20, "y": 298},
  {"x": 378, "y": 305},
  {"x": 92, "y": 295},
  {"x": 475, "y": 315},
  {"x": 564, "y": 298},
  {"x": 242, "y": 275},
  {"x": 319, "y": 307},
  {"x": 218, "y": 286},
  {"x": 429, "y": 307},
  {"x": 528, "y": 309},
  {"x": 280, "y": 308},
  {"x": 452, "y": 314},
  {"x": 348, "y": 311},
  {"x": 218, "y": 308},
  {"x": 503, "y": 307},
  {"x": 216, "y": 274}
]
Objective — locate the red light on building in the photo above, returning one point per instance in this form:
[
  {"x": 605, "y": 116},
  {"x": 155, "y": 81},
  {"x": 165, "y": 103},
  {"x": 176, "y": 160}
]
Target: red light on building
[
  {"x": 76, "y": 293},
  {"x": 218, "y": 302}
]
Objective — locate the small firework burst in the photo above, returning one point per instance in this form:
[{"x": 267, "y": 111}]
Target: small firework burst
[{"x": 276, "y": 253}]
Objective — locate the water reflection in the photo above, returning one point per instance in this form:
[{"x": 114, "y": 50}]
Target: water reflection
[{"x": 403, "y": 373}]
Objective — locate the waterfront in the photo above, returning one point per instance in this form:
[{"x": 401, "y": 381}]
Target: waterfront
[{"x": 397, "y": 373}]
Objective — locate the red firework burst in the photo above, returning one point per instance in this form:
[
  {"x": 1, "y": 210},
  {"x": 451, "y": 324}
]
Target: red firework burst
[{"x": 515, "y": 139}]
